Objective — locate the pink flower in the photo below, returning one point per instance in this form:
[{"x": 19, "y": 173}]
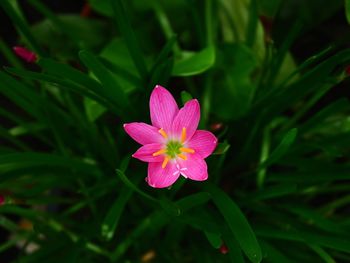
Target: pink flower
[
  {"x": 2, "y": 200},
  {"x": 25, "y": 54},
  {"x": 172, "y": 145}
]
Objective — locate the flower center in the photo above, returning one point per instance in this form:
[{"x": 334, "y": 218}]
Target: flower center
[{"x": 173, "y": 149}]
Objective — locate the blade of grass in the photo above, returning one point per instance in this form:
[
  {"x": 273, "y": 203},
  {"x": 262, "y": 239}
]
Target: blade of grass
[
  {"x": 237, "y": 223},
  {"x": 21, "y": 26},
  {"x": 126, "y": 30},
  {"x": 111, "y": 88}
]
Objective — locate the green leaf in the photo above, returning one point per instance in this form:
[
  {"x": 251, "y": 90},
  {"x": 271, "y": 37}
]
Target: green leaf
[
  {"x": 185, "y": 96},
  {"x": 132, "y": 186},
  {"x": 132, "y": 43},
  {"x": 273, "y": 255},
  {"x": 22, "y": 26},
  {"x": 280, "y": 100},
  {"x": 234, "y": 250},
  {"x": 194, "y": 200},
  {"x": 162, "y": 73},
  {"x": 194, "y": 63},
  {"x": 87, "y": 33},
  {"x": 68, "y": 85},
  {"x": 323, "y": 254},
  {"x": 237, "y": 223},
  {"x": 164, "y": 53},
  {"x": 282, "y": 148},
  {"x": 111, "y": 220},
  {"x": 222, "y": 148},
  {"x": 93, "y": 109},
  {"x": 269, "y": 7},
  {"x": 103, "y": 7},
  {"x": 19, "y": 161},
  {"x": 304, "y": 236},
  {"x": 317, "y": 120},
  {"x": 235, "y": 86},
  {"x": 110, "y": 87},
  {"x": 19, "y": 93},
  {"x": 275, "y": 191},
  {"x": 214, "y": 239},
  {"x": 347, "y": 10},
  {"x": 67, "y": 72}
]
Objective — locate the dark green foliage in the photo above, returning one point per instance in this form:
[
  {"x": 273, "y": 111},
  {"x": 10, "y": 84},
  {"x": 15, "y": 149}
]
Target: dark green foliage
[{"x": 279, "y": 180}]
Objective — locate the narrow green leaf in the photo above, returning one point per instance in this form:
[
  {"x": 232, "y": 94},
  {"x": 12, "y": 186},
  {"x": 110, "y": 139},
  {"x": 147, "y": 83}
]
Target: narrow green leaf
[
  {"x": 15, "y": 161},
  {"x": 194, "y": 200},
  {"x": 111, "y": 220},
  {"x": 316, "y": 238},
  {"x": 316, "y": 218},
  {"x": 111, "y": 88},
  {"x": 99, "y": 97},
  {"x": 22, "y": 26},
  {"x": 67, "y": 72},
  {"x": 162, "y": 73},
  {"x": 282, "y": 148},
  {"x": 54, "y": 18},
  {"x": 164, "y": 53},
  {"x": 273, "y": 255},
  {"x": 131, "y": 185},
  {"x": 125, "y": 28},
  {"x": 93, "y": 109},
  {"x": 237, "y": 223},
  {"x": 222, "y": 148},
  {"x": 316, "y": 120},
  {"x": 19, "y": 94},
  {"x": 275, "y": 191},
  {"x": 9, "y": 54},
  {"x": 234, "y": 250},
  {"x": 185, "y": 96},
  {"x": 347, "y": 10},
  {"x": 214, "y": 239},
  {"x": 195, "y": 63},
  {"x": 153, "y": 222}
]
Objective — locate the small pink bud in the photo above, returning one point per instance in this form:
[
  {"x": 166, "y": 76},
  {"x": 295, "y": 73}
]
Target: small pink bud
[
  {"x": 216, "y": 126},
  {"x": 347, "y": 70},
  {"x": 223, "y": 249},
  {"x": 2, "y": 199},
  {"x": 25, "y": 54},
  {"x": 86, "y": 10},
  {"x": 267, "y": 23}
]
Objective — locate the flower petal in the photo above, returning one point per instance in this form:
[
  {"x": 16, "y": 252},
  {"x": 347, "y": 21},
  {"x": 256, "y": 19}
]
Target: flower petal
[
  {"x": 163, "y": 108},
  {"x": 203, "y": 143},
  {"x": 194, "y": 167},
  {"x": 145, "y": 153},
  {"x": 188, "y": 117},
  {"x": 159, "y": 177},
  {"x": 143, "y": 133}
]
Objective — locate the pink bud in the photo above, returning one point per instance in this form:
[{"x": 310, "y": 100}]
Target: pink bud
[
  {"x": 216, "y": 126},
  {"x": 2, "y": 199},
  {"x": 347, "y": 70},
  {"x": 223, "y": 249},
  {"x": 25, "y": 54},
  {"x": 86, "y": 11}
]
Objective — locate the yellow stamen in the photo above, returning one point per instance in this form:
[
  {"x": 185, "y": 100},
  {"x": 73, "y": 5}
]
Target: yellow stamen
[
  {"x": 183, "y": 135},
  {"x": 163, "y": 133},
  {"x": 165, "y": 162},
  {"x": 161, "y": 151},
  {"x": 182, "y": 156},
  {"x": 186, "y": 150}
]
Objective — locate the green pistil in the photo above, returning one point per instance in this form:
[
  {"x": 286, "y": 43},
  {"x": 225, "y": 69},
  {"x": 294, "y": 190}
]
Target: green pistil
[{"x": 173, "y": 149}]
